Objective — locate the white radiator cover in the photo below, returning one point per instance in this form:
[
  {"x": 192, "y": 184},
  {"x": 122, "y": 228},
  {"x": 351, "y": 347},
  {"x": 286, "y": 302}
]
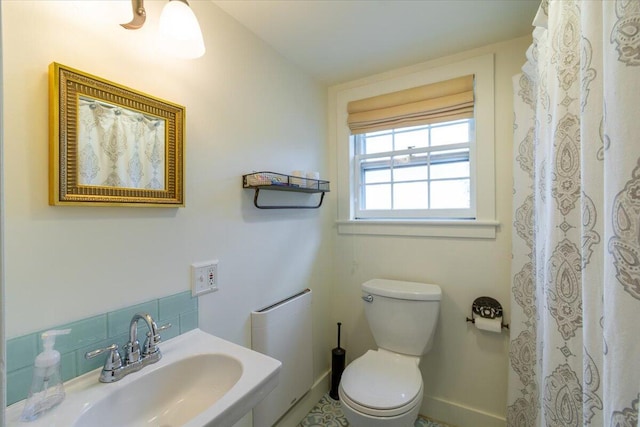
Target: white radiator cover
[{"x": 284, "y": 331}]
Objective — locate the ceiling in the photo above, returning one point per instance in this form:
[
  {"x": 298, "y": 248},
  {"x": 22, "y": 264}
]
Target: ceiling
[{"x": 341, "y": 40}]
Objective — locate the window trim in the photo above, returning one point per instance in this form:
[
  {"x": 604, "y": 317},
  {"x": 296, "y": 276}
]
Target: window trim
[{"x": 483, "y": 169}]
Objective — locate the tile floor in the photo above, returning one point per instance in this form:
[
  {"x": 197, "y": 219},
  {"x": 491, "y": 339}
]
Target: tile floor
[{"x": 327, "y": 413}]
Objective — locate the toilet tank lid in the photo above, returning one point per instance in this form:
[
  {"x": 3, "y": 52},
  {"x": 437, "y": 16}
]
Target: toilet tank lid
[{"x": 403, "y": 290}]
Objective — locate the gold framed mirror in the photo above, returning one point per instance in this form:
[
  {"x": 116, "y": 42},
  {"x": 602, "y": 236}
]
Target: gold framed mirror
[{"x": 111, "y": 145}]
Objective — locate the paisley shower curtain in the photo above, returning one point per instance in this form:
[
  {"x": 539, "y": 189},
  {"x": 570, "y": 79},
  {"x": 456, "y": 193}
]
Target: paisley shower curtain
[{"x": 575, "y": 337}]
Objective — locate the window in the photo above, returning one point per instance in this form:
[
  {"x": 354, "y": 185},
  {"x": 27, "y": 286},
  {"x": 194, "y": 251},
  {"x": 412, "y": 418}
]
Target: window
[
  {"x": 431, "y": 177},
  {"x": 415, "y": 172}
]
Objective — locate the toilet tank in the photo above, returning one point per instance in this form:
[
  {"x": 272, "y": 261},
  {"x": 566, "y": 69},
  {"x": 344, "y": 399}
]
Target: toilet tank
[{"x": 402, "y": 315}]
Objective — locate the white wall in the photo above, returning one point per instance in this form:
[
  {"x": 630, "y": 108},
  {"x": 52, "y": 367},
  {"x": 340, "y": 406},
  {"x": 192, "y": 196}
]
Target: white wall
[
  {"x": 247, "y": 109},
  {"x": 465, "y": 374}
]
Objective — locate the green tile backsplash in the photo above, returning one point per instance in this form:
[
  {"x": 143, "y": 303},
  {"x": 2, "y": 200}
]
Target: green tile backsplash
[
  {"x": 181, "y": 310},
  {"x": 176, "y": 304},
  {"x": 21, "y": 352}
]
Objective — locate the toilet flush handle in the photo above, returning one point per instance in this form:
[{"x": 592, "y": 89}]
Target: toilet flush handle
[{"x": 367, "y": 298}]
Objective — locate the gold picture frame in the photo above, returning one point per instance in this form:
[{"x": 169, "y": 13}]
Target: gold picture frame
[{"x": 111, "y": 145}]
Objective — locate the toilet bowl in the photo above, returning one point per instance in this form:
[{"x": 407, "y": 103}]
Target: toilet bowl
[
  {"x": 381, "y": 388},
  {"x": 384, "y": 387}
]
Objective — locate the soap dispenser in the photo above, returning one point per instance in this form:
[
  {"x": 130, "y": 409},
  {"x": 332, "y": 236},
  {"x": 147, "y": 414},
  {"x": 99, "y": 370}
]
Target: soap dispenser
[{"x": 46, "y": 390}]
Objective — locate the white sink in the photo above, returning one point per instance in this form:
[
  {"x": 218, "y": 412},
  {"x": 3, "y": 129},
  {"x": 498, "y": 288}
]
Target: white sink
[
  {"x": 201, "y": 380},
  {"x": 169, "y": 396}
]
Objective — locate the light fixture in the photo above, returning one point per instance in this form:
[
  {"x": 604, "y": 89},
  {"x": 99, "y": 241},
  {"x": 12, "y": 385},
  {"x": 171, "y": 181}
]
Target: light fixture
[
  {"x": 179, "y": 31},
  {"x": 139, "y": 15}
]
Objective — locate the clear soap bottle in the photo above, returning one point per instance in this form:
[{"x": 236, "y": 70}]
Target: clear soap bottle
[{"x": 47, "y": 390}]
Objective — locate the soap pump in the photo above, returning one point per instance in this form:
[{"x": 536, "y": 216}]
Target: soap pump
[{"x": 46, "y": 389}]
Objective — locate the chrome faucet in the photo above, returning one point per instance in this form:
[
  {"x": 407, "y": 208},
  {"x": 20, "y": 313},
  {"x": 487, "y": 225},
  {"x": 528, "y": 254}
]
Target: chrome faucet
[
  {"x": 114, "y": 368},
  {"x": 133, "y": 346}
]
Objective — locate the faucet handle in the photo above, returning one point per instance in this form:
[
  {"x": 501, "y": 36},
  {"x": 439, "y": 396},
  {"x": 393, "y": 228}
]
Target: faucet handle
[
  {"x": 151, "y": 343},
  {"x": 163, "y": 327},
  {"x": 113, "y": 362}
]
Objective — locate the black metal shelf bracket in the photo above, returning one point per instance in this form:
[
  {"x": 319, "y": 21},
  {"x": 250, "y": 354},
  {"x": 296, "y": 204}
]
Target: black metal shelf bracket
[{"x": 257, "y": 193}]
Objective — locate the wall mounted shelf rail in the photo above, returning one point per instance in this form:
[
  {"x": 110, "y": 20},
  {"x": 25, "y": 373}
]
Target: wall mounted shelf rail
[{"x": 273, "y": 181}]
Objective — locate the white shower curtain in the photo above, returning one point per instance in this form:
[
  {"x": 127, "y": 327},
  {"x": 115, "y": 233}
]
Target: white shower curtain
[{"x": 575, "y": 337}]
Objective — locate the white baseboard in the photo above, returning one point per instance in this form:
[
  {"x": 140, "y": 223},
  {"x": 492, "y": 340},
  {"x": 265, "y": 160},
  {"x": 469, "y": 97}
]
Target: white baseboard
[
  {"x": 300, "y": 410},
  {"x": 458, "y": 415}
]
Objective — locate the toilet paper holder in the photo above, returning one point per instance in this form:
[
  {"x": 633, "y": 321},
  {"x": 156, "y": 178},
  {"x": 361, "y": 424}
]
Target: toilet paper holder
[{"x": 488, "y": 308}]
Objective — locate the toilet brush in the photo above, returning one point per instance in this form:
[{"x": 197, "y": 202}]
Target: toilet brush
[{"x": 337, "y": 366}]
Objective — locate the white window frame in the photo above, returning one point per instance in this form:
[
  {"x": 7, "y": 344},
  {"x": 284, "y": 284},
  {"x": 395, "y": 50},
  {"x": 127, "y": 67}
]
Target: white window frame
[{"x": 482, "y": 170}]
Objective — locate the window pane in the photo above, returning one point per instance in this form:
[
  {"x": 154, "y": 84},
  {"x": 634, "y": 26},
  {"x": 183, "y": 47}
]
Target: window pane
[
  {"x": 424, "y": 177},
  {"x": 411, "y": 173},
  {"x": 378, "y": 144},
  {"x": 451, "y": 134},
  {"x": 416, "y": 139},
  {"x": 450, "y": 170},
  {"x": 450, "y": 194},
  {"x": 413, "y": 195},
  {"x": 377, "y": 196},
  {"x": 377, "y": 175}
]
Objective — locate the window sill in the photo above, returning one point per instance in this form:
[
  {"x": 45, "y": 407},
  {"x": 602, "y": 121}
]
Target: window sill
[{"x": 472, "y": 229}]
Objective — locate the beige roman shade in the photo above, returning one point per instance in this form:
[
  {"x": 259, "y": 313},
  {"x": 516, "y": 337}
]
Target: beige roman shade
[{"x": 433, "y": 103}]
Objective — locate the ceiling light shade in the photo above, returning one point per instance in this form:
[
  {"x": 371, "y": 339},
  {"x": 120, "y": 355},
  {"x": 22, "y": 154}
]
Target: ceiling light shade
[{"x": 179, "y": 31}]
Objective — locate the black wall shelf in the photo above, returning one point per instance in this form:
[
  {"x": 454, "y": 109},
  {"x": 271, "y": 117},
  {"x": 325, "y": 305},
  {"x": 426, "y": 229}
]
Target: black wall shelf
[{"x": 273, "y": 181}]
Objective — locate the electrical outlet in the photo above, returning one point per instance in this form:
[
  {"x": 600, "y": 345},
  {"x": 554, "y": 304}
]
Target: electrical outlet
[{"x": 204, "y": 277}]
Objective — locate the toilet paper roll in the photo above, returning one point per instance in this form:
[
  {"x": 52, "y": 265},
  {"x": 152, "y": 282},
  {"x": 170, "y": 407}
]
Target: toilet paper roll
[
  {"x": 299, "y": 178},
  {"x": 312, "y": 179},
  {"x": 490, "y": 325}
]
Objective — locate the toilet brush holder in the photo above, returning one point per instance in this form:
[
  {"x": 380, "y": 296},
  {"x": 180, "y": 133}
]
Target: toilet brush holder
[{"x": 337, "y": 367}]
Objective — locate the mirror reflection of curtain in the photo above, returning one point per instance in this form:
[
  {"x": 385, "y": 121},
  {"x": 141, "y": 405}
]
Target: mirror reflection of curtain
[
  {"x": 575, "y": 340},
  {"x": 118, "y": 147}
]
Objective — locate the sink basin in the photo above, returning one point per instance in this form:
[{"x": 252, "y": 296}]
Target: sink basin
[
  {"x": 201, "y": 380},
  {"x": 170, "y": 396}
]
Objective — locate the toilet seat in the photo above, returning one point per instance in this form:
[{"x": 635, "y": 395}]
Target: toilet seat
[{"x": 382, "y": 383}]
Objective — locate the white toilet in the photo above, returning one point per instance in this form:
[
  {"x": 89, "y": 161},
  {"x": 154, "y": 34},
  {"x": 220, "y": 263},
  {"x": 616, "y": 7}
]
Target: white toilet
[{"x": 384, "y": 387}]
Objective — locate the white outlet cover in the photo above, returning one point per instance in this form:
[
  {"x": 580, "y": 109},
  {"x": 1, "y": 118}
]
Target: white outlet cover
[{"x": 204, "y": 277}]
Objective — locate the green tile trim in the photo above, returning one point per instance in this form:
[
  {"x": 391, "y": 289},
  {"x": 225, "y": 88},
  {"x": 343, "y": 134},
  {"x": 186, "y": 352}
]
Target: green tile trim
[{"x": 181, "y": 310}]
